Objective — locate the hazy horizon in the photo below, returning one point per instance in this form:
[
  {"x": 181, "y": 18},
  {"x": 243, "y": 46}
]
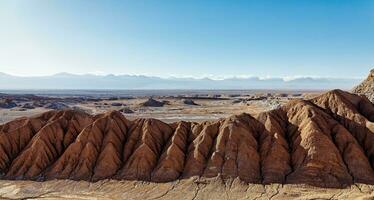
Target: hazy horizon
[
  {"x": 125, "y": 82},
  {"x": 223, "y": 77}
]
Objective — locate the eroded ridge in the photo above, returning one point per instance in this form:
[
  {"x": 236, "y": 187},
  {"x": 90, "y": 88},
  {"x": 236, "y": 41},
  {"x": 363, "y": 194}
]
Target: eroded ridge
[{"x": 327, "y": 141}]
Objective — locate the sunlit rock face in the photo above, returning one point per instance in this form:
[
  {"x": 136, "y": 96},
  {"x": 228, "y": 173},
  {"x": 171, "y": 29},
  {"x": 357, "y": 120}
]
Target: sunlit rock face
[{"x": 366, "y": 87}]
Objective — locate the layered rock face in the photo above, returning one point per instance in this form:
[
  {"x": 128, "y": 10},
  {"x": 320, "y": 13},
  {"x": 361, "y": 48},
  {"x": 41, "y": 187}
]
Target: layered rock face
[
  {"x": 327, "y": 141},
  {"x": 366, "y": 87}
]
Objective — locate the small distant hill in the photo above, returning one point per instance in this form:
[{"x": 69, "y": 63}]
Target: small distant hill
[{"x": 366, "y": 87}]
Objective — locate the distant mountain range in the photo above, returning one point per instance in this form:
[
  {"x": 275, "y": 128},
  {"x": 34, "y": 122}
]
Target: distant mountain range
[{"x": 90, "y": 81}]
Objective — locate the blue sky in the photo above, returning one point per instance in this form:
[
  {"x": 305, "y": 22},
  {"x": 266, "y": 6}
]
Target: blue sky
[{"x": 188, "y": 38}]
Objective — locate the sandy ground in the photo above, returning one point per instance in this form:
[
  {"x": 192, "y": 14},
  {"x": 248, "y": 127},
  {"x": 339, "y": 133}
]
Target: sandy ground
[
  {"x": 184, "y": 189},
  {"x": 9, "y": 114},
  {"x": 177, "y": 111}
]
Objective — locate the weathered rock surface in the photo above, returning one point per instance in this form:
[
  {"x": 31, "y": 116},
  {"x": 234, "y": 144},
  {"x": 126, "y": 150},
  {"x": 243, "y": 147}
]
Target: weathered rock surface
[
  {"x": 327, "y": 141},
  {"x": 366, "y": 87}
]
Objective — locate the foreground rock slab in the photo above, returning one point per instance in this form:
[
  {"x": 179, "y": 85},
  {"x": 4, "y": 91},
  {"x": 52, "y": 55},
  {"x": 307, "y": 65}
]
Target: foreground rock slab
[{"x": 184, "y": 189}]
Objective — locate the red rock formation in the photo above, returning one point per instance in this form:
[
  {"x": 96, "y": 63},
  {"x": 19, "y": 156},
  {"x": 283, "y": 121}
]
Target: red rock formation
[
  {"x": 275, "y": 150},
  {"x": 172, "y": 161},
  {"x": 327, "y": 141}
]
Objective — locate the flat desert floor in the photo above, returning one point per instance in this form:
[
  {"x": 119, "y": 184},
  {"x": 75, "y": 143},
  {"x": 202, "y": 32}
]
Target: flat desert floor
[{"x": 207, "y": 106}]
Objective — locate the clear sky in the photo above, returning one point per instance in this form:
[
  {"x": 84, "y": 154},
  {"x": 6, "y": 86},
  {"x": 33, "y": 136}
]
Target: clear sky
[{"x": 329, "y": 38}]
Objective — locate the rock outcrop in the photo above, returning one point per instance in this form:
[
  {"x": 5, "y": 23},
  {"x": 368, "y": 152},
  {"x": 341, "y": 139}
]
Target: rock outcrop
[
  {"x": 366, "y": 87},
  {"x": 7, "y": 103},
  {"x": 56, "y": 106},
  {"x": 126, "y": 110},
  {"x": 189, "y": 102},
  {"x": 152, "y": 103},
  {"x": 327, "y": 141}
]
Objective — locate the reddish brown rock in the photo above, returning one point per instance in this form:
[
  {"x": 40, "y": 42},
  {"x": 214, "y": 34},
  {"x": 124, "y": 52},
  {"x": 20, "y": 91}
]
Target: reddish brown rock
[
  {"x": 84, "y": 157},
  {"x": 315, "y": 157},
  {"x": 327, "y": 141},
  {"x": 16, "y": 135},
  {"x": 199, "y": 150},
  {"x": 235, "y": 151},
  {"x": 171, "y": 163},
  {"x": 354, "y": 113},
  {"x": 152, "y": 137},
  {"x": 275, "y": 150}
]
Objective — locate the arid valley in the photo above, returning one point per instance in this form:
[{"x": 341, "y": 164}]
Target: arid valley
[{"x": 228, "y": 145}]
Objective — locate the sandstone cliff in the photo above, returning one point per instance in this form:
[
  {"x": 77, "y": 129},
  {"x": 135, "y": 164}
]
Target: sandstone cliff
[{"x": 327, "y": 142}]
